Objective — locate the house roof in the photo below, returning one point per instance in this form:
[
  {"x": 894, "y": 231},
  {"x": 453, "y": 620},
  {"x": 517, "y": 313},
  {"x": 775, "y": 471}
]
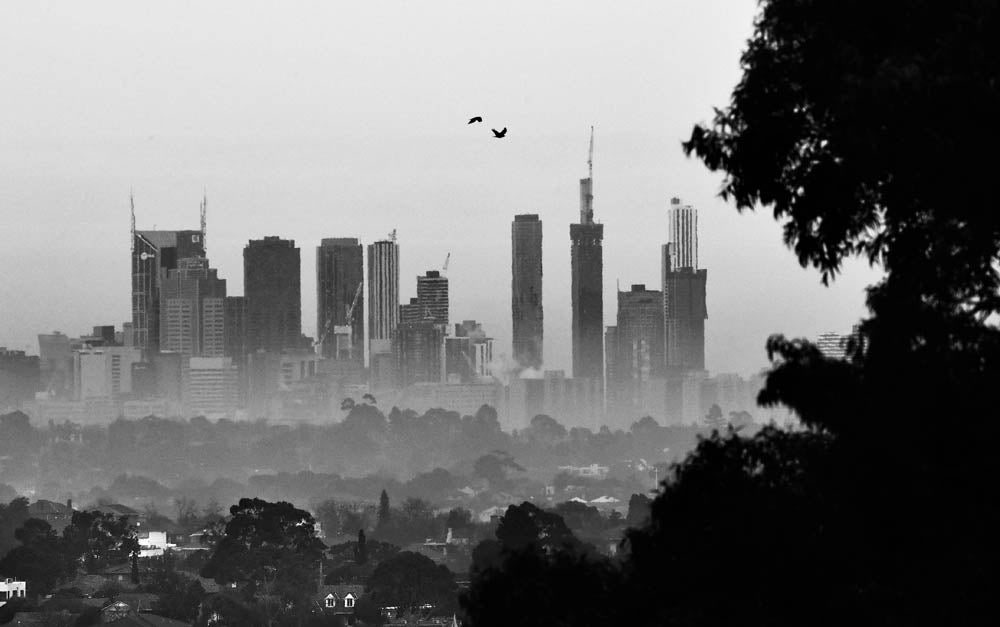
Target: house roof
[
  {"x": 340, "y": 591},
  {"x": 42, "y": 507},
  {"x": 116, "y": 509}
]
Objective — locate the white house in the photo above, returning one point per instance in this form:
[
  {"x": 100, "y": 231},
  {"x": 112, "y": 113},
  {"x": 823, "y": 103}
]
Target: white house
[{"x": 11, "y": 589}]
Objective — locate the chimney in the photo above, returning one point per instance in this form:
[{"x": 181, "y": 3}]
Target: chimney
[{"x": 69, "y": 503}]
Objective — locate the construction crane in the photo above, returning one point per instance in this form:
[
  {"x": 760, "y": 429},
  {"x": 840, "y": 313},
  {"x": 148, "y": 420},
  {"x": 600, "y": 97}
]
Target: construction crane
[
  {"x": 344, "y": 328},
  {"x": 444, "y": 268},
  {"x": 392, "y": 236}
]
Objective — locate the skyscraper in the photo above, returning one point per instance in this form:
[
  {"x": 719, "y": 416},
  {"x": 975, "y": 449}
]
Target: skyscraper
[
  {"x": 383, "y": 293},
  {"x": 587, "y": 287},
  {"x": 192, "y": 320},
  {"x": 432, "y": 294},
  {"x": 153, "y": 254},
  {"x": 684, "y": 285},
  {"x": 271, "y": 276},
  {"x": 635, "y": 349},
  {"x": 526, "y": 290},
  {"x": 339, "y": 276}
]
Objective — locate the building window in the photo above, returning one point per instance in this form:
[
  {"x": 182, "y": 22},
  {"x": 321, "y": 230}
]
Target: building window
[
  {"x": 349, "y": 601},
  {"x": 331, "y": 602}
]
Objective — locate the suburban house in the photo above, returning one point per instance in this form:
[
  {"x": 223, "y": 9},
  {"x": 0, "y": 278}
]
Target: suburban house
[
  {"x": 58, "y": 515},
  {"x": 339, "y": 600},
  {"x": 153, "y": 543},
  {"x": 11, "y": 589},
  {"x": 134, "y": 517}
]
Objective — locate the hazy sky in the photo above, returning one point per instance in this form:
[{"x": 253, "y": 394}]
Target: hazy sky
[{"x": 347, "y": 119}]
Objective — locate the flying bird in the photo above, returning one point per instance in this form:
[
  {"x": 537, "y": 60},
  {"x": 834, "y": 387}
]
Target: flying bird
[
  {"x": 476, "y": 119},
  {"x": 499, "y": 134}
]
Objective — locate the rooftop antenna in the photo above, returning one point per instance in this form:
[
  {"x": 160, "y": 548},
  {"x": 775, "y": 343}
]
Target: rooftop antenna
[
  {"x": 131, "y": 202},
  {"x": 392, "y": 236},
  {"x": 204, "y": 215},
  {"x": 590, "y": 156}
]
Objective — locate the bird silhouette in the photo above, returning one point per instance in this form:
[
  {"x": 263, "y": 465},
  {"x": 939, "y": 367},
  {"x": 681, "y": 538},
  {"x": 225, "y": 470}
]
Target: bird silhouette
[
  {"x": 499, "y": 134},
  {"x": 476, "y": 119}
]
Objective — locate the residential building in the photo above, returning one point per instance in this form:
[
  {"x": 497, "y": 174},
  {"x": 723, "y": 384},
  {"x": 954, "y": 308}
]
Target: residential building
[
  {"x": 526, "y": 290},
  {"x": 432, "y": 296},
  {"x": 383, "y": 294},
  {"x": 418, "y": 350},
  {"x": 11, "y": 589},
  {"x": 635, "y": 353}
]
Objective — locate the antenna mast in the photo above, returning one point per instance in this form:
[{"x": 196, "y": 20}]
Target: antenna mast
[
  {"x": 204, "y": 215},
  {"x": 590, "y": 156},
  {"x": 131, "y": 202}
]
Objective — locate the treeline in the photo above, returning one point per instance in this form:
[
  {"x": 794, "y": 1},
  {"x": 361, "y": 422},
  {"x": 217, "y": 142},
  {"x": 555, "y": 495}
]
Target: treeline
[{"x": 219, "y": 460}]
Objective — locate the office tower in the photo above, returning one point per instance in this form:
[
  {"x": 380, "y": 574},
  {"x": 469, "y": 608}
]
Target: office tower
[
  {"x": 192, "y": 319},
  {"x": 418, "y": 350},
  {"x": 271, "y": 279},
  {"x": 432, "y": 294},
  {"x": 635, "y": 352},
  {"x": 211, "y": 386},
  {"x": 339, "y": 281},
  {"x": 383, "y": 293},
  {"x": 526, "y": 290},
  {"x": 235, "y": 312},
  {"x": 153, "y": 253},
  {"x": 587, "y": 284},
  {"x": 684, "y": 306}
]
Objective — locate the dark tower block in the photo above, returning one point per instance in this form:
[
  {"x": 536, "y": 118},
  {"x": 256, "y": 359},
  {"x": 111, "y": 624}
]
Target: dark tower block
[
  {"x": 526, "y": 290},
  {"x": 271, "y": 277}
]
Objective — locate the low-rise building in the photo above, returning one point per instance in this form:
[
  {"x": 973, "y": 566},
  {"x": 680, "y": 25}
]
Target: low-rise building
[{"x": 11, "y": 589}]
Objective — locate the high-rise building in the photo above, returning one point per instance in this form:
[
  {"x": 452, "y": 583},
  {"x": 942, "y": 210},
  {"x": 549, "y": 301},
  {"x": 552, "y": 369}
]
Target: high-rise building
[
  {"x": 339, "y": 281},
  {"x": 383, "y": 293},
  {"x": 192, "y": 319},
  {"x": 432, "y": 294},
  {"x": 153, "y": 254},
  {"x": 587, "y": 259},
  {"x": 411, "y": 311},
  {"x": 271, "y": 280},
  {"x": 684, "y": 313},
  {"x": 635, "y": 352},
  {"x": 683, "y": 224},
  {"x": 526, "y": 290},
  {"x": 418, "y": 349}
]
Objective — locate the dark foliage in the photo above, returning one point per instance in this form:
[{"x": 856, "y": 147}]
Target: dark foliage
[
  {"x": 409, "y": 580},
  {"x": 270, "y": 550}
]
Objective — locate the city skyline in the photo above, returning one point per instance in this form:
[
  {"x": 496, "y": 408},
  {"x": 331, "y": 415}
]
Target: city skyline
[{"x": 357, "y": 162}]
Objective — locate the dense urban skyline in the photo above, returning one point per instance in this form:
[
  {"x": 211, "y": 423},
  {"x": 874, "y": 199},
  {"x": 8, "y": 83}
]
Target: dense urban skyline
[{"x": 350, "y": 164}]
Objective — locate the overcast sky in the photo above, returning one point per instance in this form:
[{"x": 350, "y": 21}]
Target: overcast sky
[{"x": 347, "y": 119}]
